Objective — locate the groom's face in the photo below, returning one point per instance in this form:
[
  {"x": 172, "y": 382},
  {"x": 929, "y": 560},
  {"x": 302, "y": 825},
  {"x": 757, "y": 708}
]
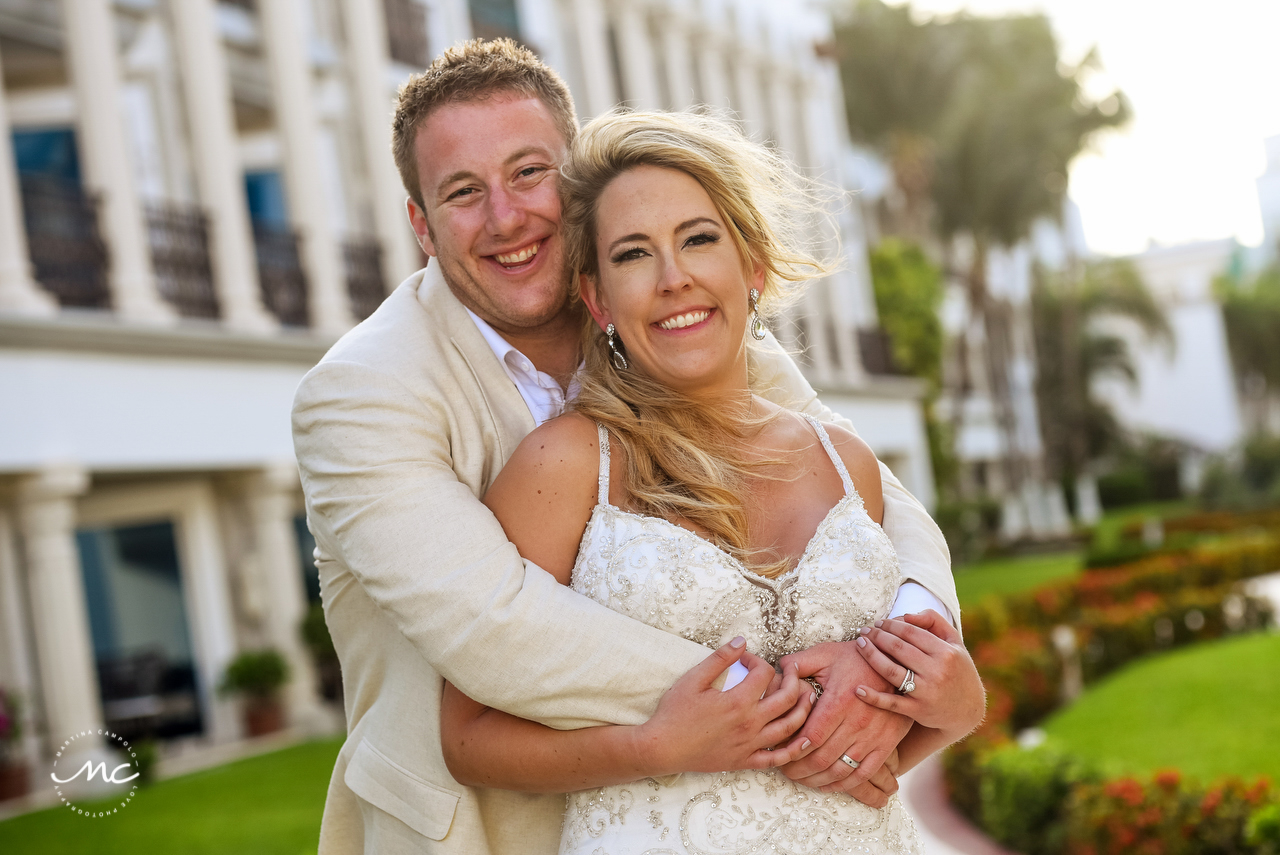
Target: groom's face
[{"x": 491, "y": 212}]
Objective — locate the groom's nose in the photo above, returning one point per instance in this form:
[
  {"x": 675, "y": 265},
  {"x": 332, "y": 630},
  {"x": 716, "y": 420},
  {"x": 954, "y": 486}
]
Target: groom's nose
[{"x": 505, "y": 212}]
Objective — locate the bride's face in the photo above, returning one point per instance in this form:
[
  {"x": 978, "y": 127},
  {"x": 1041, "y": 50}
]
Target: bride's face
[{"x": 671, "y": 281}]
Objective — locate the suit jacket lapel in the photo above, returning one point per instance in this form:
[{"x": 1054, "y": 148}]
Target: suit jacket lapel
[{"x": 497, "y": 393}]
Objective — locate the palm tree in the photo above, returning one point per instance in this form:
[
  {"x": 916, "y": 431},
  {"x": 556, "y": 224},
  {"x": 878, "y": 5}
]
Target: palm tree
[
  {"x": 1251, "y": 314},
  {"x": 899, "y": 79},
  {"x": 1073, "y": 349},
  {"x": 1016, "y": 122}
]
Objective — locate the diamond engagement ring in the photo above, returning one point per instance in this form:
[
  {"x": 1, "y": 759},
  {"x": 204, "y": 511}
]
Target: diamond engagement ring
[
  {"x": 853, "y": 764},
  {"x": 908, "y": 683}
]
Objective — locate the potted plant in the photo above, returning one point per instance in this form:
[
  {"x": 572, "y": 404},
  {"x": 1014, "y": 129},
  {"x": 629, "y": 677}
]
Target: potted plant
[
  {"x": 257, "y": 676},
  {"x": 14, "y": 780}
]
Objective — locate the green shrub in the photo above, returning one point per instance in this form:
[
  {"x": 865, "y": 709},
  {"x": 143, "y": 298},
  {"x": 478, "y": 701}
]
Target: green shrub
[
  {"x": 1025, "y": 795},
  {"x": 146, "y": 756},
  {"x": 256, "y": 673},
  {"x": 1263, "y": 830}
]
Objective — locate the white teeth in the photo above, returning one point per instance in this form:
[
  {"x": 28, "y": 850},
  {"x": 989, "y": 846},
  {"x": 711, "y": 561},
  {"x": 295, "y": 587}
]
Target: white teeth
[
  {"x": 679, "y": 322},
  {"x": 518, "y": 257}
]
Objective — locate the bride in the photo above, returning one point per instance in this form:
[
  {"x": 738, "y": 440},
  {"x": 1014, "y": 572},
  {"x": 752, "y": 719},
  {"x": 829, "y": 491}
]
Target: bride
[{"x": 674, "y": 495}]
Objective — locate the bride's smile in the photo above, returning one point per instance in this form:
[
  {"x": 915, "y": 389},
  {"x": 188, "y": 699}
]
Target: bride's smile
[{"x": 672, "y": 282}]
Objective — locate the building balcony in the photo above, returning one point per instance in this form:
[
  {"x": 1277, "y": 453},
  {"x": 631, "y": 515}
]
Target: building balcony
[
  {"x": 407, "y": 32},
  {"x": 284, "y": 285},
  {"x": 876, "y": 350},
  {"x": 365, "y": 284},
  {"x": 179, "y": 238},
  {"x": 67, "y": 252}
]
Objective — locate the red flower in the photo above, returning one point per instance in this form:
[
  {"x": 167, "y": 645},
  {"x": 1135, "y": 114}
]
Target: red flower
[
  {"x": 1127, "y": 790},
  {"x": 1210, "y": 802},
  {"x": 1168, "y": 780}
]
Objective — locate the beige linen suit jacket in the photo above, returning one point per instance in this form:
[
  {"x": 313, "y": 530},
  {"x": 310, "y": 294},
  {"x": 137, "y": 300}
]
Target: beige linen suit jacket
[{"x": 399, "y": 430}]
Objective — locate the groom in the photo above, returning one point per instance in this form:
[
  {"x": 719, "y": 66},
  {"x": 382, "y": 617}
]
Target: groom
[{"x": 404, "y": 424}]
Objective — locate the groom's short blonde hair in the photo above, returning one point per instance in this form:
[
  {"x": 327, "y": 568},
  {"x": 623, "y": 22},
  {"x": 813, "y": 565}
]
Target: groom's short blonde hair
[{"x": 474, "y": 71}]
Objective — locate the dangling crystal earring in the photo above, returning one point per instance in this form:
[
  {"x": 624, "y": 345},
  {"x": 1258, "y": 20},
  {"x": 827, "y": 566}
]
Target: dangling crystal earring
[
  {"x": 615, "y": 355},
  {"x": 757, "y": 325}
]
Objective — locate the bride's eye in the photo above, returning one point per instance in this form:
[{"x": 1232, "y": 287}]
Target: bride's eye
[
  {"x": 702, "y": 239},
  {"x": 628, "y": 255}
]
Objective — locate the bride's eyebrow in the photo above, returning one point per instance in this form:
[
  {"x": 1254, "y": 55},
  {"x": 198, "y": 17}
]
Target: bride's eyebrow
[
  {"x": 627, "y": 239},
  {"x": 687, "y": 224}
]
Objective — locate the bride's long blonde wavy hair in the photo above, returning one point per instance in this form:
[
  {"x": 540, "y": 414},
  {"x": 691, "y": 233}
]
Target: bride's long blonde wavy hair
[{"x": 684, "y": 457}]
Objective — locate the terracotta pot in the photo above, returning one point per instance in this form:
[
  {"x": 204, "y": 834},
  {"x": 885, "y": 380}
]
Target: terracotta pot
[
  {"x": 263, "y": 716},
  {"x": 14, "y": 780}
]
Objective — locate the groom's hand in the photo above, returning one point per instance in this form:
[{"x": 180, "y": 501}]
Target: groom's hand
[{"x": 842, "y": 724}]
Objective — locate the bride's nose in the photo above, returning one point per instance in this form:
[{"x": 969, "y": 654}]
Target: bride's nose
[{"x": 672, "y": 277}]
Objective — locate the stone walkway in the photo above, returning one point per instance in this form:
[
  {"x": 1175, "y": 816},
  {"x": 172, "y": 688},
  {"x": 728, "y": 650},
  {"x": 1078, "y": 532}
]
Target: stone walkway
[{"x": 944, "y": 830}]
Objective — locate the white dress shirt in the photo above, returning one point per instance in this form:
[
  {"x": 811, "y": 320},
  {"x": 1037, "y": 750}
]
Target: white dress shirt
[{"x": 546, "y": 399}]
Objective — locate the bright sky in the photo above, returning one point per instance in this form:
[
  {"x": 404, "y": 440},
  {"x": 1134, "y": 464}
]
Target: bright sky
[{"x": 1203, "y": 77}]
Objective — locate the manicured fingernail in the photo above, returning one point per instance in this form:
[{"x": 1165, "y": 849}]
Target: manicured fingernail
[
  {"x": 860, "y": 692},
  {"x": 805, "y": 744},
  {"x": 738, "y": 642},
  {"x": 879, "y": 623},
  {"x": 866, "y": 630},
  {"x": 862, "y": 642},
  {"x": 813, "y": 697}
]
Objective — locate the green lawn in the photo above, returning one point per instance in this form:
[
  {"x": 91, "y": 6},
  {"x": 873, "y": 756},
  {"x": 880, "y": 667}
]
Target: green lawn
[
  {"x": 1208, "y": 710},
  {"x": 1010, "y": 575},
  {"x": 266, "y": 805}
]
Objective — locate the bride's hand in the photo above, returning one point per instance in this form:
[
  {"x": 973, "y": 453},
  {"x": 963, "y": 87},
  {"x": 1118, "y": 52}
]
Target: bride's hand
[
  {"x": 699, "y": 728},
  {"x": 948, "y": 692}
]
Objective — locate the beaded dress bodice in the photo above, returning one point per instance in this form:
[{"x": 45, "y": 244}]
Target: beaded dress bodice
[{"x": 655, "y": 571}]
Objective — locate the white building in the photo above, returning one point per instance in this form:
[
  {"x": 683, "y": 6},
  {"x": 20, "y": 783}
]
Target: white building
[
  {"x": 1186, "y": 392},
  {"x": 196, "y": 199},
  {"x": 1269, "y": 200}
]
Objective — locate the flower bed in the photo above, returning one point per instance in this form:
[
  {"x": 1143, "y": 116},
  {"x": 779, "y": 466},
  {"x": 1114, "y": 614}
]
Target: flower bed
[{"x": 1044, "y": 801}]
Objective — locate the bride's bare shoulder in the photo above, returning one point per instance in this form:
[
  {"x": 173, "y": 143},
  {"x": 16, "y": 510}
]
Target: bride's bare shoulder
[
  {"x": 863, "y": 466},
  {"x": 544, "y": 495}
]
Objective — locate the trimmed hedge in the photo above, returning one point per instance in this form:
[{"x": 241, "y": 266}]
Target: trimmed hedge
[{"x": 1044, "y": 801}]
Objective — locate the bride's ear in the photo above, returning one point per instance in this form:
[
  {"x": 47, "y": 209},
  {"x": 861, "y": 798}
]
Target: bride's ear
[{"x": 588, "y": 287}]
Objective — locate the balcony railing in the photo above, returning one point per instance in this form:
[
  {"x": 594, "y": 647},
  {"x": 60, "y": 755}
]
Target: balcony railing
[
  {"x": 180, "y": 256},
  {"x": 284, "y": 285},
  {"x": 407, "y": 32},
  {"x": 67, "y": 252},
  {"x": 876, "y": 349},
  {"x": 365, "y": 285}
]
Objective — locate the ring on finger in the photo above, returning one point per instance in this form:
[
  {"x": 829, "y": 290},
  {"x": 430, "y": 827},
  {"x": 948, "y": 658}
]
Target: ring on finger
[
  {"x": 849, "y": 761},
  {"x": 908, "y": 683}
]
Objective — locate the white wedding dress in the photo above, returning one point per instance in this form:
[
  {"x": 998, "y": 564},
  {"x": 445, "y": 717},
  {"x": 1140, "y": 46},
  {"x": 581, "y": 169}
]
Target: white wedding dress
[{"x": 657, "y": 572}]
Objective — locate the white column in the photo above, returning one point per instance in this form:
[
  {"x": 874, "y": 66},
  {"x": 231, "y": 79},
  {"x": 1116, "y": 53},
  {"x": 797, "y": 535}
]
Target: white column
[
  {"x": 631, "y": 26},
  {"x": 19, "y": 291},
  {"x": 105, "y": 156},
  {"x": 15, "y": 651},
  {"x": 46, "y": 504},
  {"x": 593, "y": 51},
  {"x": 272, "y": 500},
  {"x": 782, "y": 103},
  {"x": 285, "y": 40},
  {"x": 711, "y": 70},
  {"x": 676, "y": 53},
  {"x": 367, "y": 35},
  {"x": 750, "y": 102},
  {"x": 207, "y": 93}
]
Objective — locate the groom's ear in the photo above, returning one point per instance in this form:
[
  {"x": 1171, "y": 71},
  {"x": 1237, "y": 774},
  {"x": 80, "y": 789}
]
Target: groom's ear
[
  {"x": 588, "y": 288},
  {"x": 421, "y": 228}
]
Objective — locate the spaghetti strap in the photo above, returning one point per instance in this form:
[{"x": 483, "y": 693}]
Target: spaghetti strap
[
  {"x": 604, "y": 464},
  {"x": 831, "y": 452}
]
